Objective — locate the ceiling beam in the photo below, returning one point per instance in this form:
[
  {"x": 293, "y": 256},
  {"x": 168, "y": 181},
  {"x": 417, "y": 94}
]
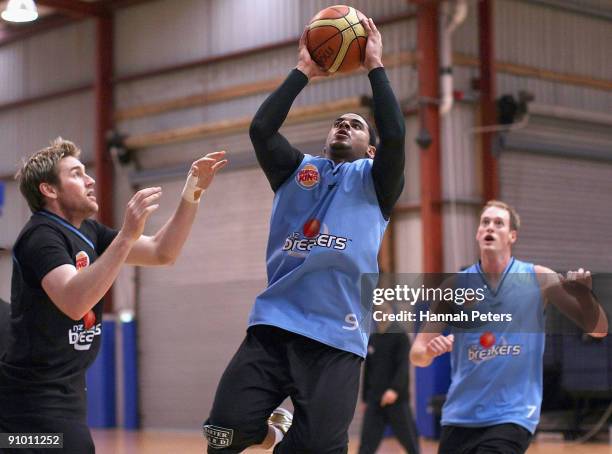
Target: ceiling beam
[
  {"x": 75, "y": 8},
  {"x": 11, "y": 33}
]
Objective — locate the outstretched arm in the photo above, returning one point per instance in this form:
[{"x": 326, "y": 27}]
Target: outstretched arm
[
  {"x": 164, "y": 247},
  {"x": 572, "y": 295},
  {"x": 429, "y": 345},
  {"x": 76, "y": 292},
  {"x": 275, "y": 155},
  {"x": 389, "y": 160}
]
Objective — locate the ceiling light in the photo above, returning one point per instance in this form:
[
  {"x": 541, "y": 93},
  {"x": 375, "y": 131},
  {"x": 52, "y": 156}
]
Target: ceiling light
[{"x": 20, "y": 11}]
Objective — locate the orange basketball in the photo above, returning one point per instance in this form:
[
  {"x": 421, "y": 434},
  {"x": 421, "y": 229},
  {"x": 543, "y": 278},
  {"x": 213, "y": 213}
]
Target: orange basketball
[{"x": 336, "y": 39}]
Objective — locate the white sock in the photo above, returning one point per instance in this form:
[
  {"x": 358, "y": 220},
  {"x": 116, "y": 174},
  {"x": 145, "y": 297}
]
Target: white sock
[{"x": 278, "y": 437}]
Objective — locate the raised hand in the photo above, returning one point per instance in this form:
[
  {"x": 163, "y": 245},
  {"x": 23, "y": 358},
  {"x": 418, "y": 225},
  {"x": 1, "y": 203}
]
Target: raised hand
[
  {"x": 139, "y": 208},
  {"x": 577, "y": 283},
  {"x": 206, "y": 168},
  {"x": 305, "y": 62},
  {"x": 374, "y": 46},
  {"x": 440, "y": 345}
]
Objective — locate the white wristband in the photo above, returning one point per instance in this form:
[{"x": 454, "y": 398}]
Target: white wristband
[{"x": 191, "y": 192}]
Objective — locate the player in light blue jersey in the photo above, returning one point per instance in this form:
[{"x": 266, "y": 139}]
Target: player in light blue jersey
[
  {"x": 493, "y": 404},
  {"x": 308, "y": 331}
]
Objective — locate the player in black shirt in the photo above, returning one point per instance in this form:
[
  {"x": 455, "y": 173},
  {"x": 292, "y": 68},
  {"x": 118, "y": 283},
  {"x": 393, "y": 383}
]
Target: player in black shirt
[
  {"x": 386, "y": 389},
  {"x": 63, "y": 264}
]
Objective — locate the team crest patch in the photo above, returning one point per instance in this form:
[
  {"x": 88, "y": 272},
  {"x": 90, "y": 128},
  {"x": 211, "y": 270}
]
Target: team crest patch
[
  {"x": 308, "y": 177},
  {"x": 81, "y": 260},
  {"x": 218, "y": 437}
]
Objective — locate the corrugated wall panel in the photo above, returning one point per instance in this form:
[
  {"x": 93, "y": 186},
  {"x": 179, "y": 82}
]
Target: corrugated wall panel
[
  {"x": 552, "y": 39},
  {"x": 374, "y": 9},
  {"x": 271, "y": 65},
  {"x": 551, "y": 93},
  {"x": 6, "y": 268},
  {"x": 565, "y": 209},
  {"x": 28, "y": 129},
  {"x": 11, "y": 72},
  {"x": 206, "y": 79},
  {"x": 221, "y": 250},
  {"x": 201, "y": 304},
  {"x": 579, "y": 134},
  {"x": 459, "y": 160},
  {"x": 149, "y": 34},
  {"x": 459, "y": 224},
  {"x": 465, "y": 37},
  {"x": 58, "y": 59},
  {"x": 602, "y": 5},
  {"x": 463, "y": 77},
  {"x": 408, "y": 243},
  {"x": 412, "y": 185},
  {"x": 15, "y": 213},
  {"x": 186, "y": 30},
  {"x": 397, "y": 37},
  {"x": 460, "y": 186}
]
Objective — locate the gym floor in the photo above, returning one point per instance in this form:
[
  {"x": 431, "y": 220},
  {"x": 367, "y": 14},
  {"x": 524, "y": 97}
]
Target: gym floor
[{"x": 169, "y": 442}]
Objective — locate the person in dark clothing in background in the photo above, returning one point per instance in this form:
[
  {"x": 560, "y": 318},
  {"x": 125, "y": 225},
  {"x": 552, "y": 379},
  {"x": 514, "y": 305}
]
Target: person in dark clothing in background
[
  {"x": 5, "y": 313},
  {"x": 385, "y": 388}
]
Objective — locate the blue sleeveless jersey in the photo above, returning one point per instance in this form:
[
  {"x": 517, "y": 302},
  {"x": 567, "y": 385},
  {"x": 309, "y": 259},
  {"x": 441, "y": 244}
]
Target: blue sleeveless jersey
[
  {"x": 325, "y": 232},
  {"x": 502, "y": 383}
]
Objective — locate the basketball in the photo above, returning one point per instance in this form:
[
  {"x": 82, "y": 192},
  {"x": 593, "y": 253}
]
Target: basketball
[{"x": 336, "y": 39}]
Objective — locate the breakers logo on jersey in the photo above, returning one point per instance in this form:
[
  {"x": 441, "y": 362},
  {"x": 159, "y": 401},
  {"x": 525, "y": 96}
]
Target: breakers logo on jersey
[
  {"x": 316, "y": 234},
  {"x": 308, "y": 177},
  {"x": 81, "y": 336},
  {"x": 81, "y": 260},
  {"x": 487, "y": 349}
]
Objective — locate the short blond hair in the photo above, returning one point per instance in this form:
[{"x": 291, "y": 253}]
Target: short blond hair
[
  {"x": 41, "y": 167},
  {"x": 515, "y": 219}
]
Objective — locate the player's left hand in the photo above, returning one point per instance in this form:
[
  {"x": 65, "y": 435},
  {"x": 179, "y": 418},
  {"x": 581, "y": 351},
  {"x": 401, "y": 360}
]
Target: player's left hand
[
  {"x": 374, "y": 46},
  {"x": 205, "y": 168},
  {"x": 388, "y": 398},
  {"x": 577, "y": 282}
]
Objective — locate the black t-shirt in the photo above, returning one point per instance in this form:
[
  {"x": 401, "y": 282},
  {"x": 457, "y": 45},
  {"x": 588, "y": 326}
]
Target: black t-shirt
[{"x": 43, "y": 368}]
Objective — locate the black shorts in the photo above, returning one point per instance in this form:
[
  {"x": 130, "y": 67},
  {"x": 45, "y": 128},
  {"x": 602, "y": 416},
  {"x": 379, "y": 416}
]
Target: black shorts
[
  {"x": 498, "y": 439},
  {"x": 270, "y": 365},
  {"x": 77, "y": 437}
]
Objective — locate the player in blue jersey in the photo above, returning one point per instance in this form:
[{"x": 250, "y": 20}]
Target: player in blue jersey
[
  {"x": 493, "y": 403},
  {"x": 306, "y": 338}
]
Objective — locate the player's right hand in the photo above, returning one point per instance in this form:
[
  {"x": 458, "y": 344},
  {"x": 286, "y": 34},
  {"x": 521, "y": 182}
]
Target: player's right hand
[
  {"x": 440, "y": 345},
  {"x": 305, "y": 62},
  {"x": 374, "y": 46},
  {"x": 138, "y": 210}
]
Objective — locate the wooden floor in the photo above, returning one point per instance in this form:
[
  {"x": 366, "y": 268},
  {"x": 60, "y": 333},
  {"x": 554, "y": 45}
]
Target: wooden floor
[{"x": 166, "y": 442}]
